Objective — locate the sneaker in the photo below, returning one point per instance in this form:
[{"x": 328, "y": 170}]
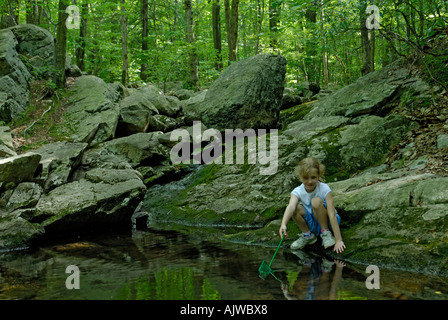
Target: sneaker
[
  {"x": 327, "y": 265},
  {"x": 304, "y": 258},
  {"x": 303, "y": 241},
  {"x": 327, "y": 239}
]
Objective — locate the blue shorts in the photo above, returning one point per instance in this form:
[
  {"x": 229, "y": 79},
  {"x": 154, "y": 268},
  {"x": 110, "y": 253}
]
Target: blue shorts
[{"x": 312, "y": 223}]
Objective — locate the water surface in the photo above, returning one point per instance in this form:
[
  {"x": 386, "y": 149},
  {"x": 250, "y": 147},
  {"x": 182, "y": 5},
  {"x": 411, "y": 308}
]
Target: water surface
[{"x": 160, "y": 264}]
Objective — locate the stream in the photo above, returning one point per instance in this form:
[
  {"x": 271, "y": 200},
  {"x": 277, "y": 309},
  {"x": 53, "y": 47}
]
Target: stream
[{"x": 166, "y": 263}]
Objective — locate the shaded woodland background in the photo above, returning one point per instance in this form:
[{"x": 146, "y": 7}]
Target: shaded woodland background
[{"x": 326, "y": 42}]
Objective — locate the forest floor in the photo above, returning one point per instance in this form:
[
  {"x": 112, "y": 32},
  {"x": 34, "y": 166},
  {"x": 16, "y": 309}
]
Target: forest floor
[
  {"x": 36, "y": 126},
  {"x": 431, "y": 115}
]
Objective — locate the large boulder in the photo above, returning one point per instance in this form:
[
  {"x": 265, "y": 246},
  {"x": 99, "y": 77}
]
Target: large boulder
[
  {"x": 134, "y": 150},
  {"x": 347, "y": 146},
  {"x": 59, "y": 161},
  {"x": 36, "y": 45},
  {"x": 391, "y": 217},
  {"x": 17, "y": 233},
  {"x": 401, "y": 220},
  {"x": 237, "y": 194},
  {"x": 248, "y": 94},
  {"x": 100, "y": 200},
  {"x": 367, "y": 143},
  {"x": 92, "y": 111},
  {"x": 136, "y": 111},
  {"x": 25, "y": 195},
  {"x": 146, "y": 110},
  {"x": 165, "y": 105},
  {"x": 19, "y": 168},
  {"x": 374, "y": 93},
  {"x": 6, "y": 146},
  {"x": 14, "y": 78},
  {"x": 25, "y": 50}
]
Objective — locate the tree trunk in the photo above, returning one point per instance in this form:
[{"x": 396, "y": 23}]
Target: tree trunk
[
  {"x": 326, "y": 72},
  {"x": 259, "y": 23},
  {"x": 366, "y": 51},
  {"x": 32, "y": 12},
  {"x": 175, "y": 22},
  {"x": 145, "y": 25},
  {"x": 312, "y": 61},
  {"x": 81, "y": 49},
  {"x": 124, "y": 44},
  {"x": 311, "y": 13},
  {"x": 193, "y": 81},
  {"x": 273, "y": 23},
  {"x": 216, "y": 24},
  {"x": 232, "y": 28},
  {"x": 10, "y": 14},
  {"x": 372, "y": 48},
  {"x": 61, "y": 45},
  {"x": 366, "y": 44}
]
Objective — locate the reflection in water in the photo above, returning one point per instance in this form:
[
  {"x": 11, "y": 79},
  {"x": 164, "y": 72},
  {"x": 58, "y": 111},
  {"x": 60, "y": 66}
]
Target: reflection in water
[
  {"x": 183, "y": 265},
  {"x": 317, "y": 280},
  {"x": 168, "y": 284}
]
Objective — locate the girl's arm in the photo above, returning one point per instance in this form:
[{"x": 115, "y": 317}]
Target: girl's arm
[
  {"x": 339, "y": 245},
  {"x": 289, "y": 211}
]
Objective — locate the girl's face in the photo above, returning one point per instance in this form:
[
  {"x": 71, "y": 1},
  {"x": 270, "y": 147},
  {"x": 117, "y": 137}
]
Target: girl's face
[{"x": 310, "y": 179}]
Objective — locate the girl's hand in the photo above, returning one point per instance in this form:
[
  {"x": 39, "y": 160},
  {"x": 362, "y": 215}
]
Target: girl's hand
[
  {"x": 282, "y": 231},
  {"x": 339, "y": 246}
]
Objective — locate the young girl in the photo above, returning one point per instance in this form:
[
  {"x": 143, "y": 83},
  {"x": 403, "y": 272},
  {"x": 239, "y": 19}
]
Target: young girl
[{"x": 317, "y": 213}]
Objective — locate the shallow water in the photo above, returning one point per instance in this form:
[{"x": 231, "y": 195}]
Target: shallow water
[{"x": 160, "y": 264}]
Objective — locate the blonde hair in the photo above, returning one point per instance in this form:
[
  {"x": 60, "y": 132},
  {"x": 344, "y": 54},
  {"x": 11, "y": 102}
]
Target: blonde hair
[{"x": 305, "y": 165}]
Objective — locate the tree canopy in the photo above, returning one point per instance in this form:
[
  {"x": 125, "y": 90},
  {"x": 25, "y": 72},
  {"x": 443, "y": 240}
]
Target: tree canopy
[{"x": 327, "y": 42}]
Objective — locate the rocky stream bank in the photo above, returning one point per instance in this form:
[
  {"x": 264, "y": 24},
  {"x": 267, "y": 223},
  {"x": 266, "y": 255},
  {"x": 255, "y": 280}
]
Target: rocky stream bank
[{"x": 111, "y": 166}]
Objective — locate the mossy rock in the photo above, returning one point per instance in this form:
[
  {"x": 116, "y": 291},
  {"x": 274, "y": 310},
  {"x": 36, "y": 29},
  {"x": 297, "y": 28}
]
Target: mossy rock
[{"x": 17, "y": 233}]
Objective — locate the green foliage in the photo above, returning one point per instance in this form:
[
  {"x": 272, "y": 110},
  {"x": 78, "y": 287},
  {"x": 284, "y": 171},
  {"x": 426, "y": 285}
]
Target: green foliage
[
  {"x": 306, "y": 33},
  {"x": 435, "y": 69},
  {"x": 169, "y": 284}
]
